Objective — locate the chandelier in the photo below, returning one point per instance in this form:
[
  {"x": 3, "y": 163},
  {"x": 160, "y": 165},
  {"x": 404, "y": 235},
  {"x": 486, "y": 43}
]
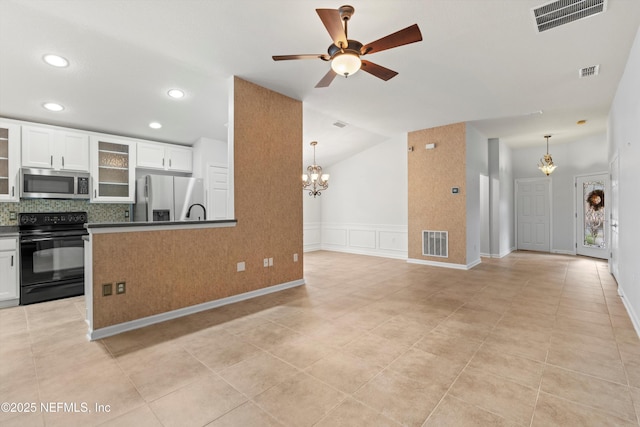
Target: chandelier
[
  {"x": 314, "y": 180},
  {"x": 546, "y": 163}
]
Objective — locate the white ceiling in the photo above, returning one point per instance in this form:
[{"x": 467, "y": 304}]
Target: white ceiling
[{"x": 480, "y": 61}]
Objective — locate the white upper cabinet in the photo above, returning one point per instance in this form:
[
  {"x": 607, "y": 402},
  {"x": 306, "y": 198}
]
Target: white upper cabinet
[
  {"x": 54, "y": 149},
  {"x": 164, "y": 157},
  {"x": 112, "y": 171},
  {"x": 9, "y": 162}
]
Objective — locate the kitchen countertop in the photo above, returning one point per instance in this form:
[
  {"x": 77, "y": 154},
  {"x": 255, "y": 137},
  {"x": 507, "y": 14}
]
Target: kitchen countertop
[
  {"x": 120, "y": 227},
  {"x": 6, "y": 230}
]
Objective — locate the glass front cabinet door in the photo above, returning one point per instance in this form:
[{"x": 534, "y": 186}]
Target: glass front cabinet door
[
  {"x": 112, "y": 170},
  {"x": 9, "y": 162}
]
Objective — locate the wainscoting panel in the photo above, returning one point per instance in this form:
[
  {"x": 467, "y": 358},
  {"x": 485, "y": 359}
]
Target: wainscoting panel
[
  {"x": 362, "y": 238},
  {"x": 393, "y": 240},
  {"x": 311, "y": 237},
  {"x": 334, "y": 236},
  {"x": 388, "y": 241}
]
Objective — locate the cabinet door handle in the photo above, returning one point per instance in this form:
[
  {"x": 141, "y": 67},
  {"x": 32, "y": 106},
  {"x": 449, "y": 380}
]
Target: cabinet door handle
[
  {"x": 162, "y": 162},
  {"x": 169, "y": 162},
  {"x": 11, "y": 260},
  {"x": 95, "y": 193},
  {"x": 62, "y": 161},
  {"x": 52, "y": 161},
  {"x": 13, "y": 191}
]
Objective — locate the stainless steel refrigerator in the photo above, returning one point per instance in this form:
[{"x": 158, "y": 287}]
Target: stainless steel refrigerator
[{"x": 169, "y": 198}]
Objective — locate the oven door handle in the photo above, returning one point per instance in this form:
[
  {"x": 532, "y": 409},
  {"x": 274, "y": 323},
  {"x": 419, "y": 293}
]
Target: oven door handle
[{"x": 48, "y": 239}]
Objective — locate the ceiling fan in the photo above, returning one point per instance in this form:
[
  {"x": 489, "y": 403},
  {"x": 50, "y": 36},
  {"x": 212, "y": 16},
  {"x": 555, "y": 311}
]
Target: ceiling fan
[{"x": 345, "y": 54}]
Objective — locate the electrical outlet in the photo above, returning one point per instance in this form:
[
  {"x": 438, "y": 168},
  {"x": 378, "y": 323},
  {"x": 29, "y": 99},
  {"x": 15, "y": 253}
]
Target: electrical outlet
[
  {"x": 295, "y": 257},
  {"x": 126, "y": 214},
  {"x": 265, "y": 262},
  {"x": 121, "y": 287},
  {"x": 270, "y": 262},
  {"x": 107, "y": 289},
  {"x": 13, "y": 215},
  {"x": 241, "y": 266}
]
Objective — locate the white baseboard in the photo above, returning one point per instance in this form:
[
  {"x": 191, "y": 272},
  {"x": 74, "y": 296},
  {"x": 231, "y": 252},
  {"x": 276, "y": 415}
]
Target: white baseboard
[
  {"x": 108, "y": 331},
  {"x": 632, "y": 314},
  {"x": 444, "y": 264},
  {"x": 562, "y": 252},
  {"x": 351, "y": 250},
  {"x": 503, "y": 254},
  {"x": 9, "y": 303}
]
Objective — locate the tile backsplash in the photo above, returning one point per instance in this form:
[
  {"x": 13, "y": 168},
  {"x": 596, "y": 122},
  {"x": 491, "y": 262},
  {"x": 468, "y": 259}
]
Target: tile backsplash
[{"x": 97, "y": 212}]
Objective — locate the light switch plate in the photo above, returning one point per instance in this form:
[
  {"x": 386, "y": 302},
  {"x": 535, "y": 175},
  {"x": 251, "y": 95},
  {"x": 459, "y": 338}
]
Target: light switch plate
[{"x": 241, "y": 266}]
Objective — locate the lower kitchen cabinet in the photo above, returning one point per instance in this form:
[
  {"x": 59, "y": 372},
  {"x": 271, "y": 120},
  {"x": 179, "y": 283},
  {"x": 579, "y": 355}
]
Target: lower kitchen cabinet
[{"x": 9, "y": 291}]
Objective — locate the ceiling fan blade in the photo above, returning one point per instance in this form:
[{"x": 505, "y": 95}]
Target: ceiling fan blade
[
  {"x": 287, "y": 57},
  {"x": 327, "y": 79},
  {"x": 333, "y": 23},
  {"x": 399, "y": 38},
  {"x": 378, "y": 70}
]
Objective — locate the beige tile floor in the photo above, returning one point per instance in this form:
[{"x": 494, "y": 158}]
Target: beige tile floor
[{"x": 531, "y": 339}]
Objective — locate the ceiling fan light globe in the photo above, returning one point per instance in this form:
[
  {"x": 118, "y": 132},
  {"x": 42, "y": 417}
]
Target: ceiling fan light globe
[{"x": 346, "y": 64}]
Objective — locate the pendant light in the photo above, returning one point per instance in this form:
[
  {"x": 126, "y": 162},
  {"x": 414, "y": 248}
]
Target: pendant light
[
  {"x": 546, "y": 163},
  {"x": 314, "y": 180}
]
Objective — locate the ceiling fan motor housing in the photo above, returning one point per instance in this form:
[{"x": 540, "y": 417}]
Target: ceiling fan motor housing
[{"x": 353, "y": 46}]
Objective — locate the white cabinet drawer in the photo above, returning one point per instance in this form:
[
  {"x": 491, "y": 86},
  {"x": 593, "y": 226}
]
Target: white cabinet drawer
[{"x": 8, "y": 244}]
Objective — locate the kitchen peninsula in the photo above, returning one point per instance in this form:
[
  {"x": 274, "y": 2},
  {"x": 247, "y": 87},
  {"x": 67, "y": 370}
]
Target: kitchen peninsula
[{"x": 174, "y": 269}]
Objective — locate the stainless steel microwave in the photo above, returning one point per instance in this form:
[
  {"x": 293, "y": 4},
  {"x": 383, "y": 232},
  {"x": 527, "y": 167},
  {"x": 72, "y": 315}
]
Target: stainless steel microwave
[{"x": 50, "y": 184}]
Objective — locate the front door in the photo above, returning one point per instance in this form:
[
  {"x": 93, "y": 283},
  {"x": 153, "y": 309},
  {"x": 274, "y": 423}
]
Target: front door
[
  {"x": 591, "y": 213},
  {"x": 533, "y": 214}
]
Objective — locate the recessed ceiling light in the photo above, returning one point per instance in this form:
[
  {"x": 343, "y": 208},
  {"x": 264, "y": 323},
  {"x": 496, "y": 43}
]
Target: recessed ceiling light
[
  {"x": 55, "y": 60},
  {"x": 175, "y": 93},
  {"x": 155, "y": 125},
  {"x": 52, "y": 106}
]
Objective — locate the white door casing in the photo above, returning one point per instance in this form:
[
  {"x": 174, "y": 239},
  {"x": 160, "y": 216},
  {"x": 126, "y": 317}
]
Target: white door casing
[
  {"x": 592, "y": 232},
  {"x": 614, "y": 188},
  {"x": 533, "y": 214}
]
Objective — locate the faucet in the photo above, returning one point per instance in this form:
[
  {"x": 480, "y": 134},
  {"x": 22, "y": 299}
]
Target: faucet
[{"x": 203, "y": 210}]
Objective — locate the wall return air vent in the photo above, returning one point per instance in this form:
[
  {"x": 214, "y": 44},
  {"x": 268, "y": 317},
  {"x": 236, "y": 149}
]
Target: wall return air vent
[
  {"x": 435, "y": 243},
  {"x": 560, "y": 12}
]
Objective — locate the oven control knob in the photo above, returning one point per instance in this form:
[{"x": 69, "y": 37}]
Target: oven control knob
[
  {"x": 27, "y": 219},
  {"x": 82, "y": 218}
]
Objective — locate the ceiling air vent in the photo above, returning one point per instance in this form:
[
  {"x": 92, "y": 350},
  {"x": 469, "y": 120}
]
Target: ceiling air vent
[
  {"x": 340, "y": 124},
  {"x": 560, "y": 12},
  {"x": 589, "y": 71}
]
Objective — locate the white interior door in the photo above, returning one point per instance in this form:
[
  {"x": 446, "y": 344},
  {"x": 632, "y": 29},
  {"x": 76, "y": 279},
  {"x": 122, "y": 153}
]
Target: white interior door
[
  {"x": 218, "y": 191},
  {"x": 592, "y": 234},
  {"x": 614, "y": 169},
  {"x": 533, "y": 214}
]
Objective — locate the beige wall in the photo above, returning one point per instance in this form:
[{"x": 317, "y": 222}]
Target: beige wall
[
  {"x": 432, "y": 174},
  {"x": 168, "y": 270}
]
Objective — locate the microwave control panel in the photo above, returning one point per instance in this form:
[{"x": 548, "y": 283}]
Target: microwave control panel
[{"x": 83, "y": 185}]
